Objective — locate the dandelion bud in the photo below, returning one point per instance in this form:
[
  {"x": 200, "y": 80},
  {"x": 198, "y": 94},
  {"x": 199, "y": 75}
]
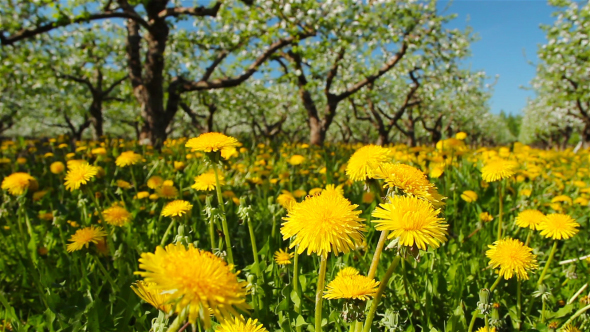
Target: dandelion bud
[{"x": 483, "y": 305}]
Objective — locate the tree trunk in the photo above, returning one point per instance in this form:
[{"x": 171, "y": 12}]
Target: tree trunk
[
  {"x": 383, "y": 138},
  {"x": 96, "y": 117},
  {"x": 316, "y": 132}
]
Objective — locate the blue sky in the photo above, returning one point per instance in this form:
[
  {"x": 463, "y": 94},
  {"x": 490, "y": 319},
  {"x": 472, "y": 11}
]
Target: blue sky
[{"x": 507, "y": 30}]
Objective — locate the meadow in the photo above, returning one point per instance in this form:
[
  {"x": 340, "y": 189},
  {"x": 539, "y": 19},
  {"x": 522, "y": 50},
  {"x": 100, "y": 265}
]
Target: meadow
[{"x": 215, "y": 234}]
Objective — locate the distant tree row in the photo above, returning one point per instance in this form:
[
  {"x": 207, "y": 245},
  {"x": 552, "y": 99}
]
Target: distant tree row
[
  {"x": 560, "y": 111},
  {"x": 378, "y": 71}
]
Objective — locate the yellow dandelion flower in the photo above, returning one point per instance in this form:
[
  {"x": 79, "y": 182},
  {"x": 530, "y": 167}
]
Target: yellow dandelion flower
[
  {"x": 315, "y": 191},
  {"x": 142, "y": 195},
  {"x": 410, "y": 180},
  {"x": 84, "y": 236},
  {"x": 286, "y": 200},
  {"x": 498, "y": 169},
  {"x": 196, "y": 280},
  {"x": 79, "y": 174},
  {"x": 211, "y": 142},
  {"x": 123, "y": 184},
  {"x": 436, "y": 172},
  {"x": 562, "y": 198},
  {"x": 155, "y": 182},
  {"x": 229, "y": 152},
  {"x": 324, "y": 223},
  {"x": 176, "y": 208},
  {"x": 581, "y": 201},
  {"x": 206, "y": 181},
  {"x": 116, "y": 215},
  {"x": 167, "y": 192},
  {"x": 461, "y": 135},
  {"x": 570, "y": 328},
  {"x": 128, "y": 158},
  {"x": 282, "y": 257},
  {"x": 365, "y": 161},
  {"x": 469, "y": 196},
  {"x": 148, "y": 292},
  {"x": 99, "y": 151},
  {"x": 347, "y": 271},
  {"x": 513, "y": 258},
  {"x": 368, "y": 197},
  {"x": 529, "y": 219},
  {"x": 485, "y": 217},
  {"x": 179, "y": 165},
  {"x": 57, "y": 167},
  {"x": 334, "y": 189},
  {"x": 412, "y": 220},
  {"x": 296, "y": 159},
  {"x": 240, "y": 325},
  {"x": 17, "y": 183},
  {"x": 351, "y": 286},
  {"x": 298, "y": 193},
  {"x": 485, "y": 329},
  {"x": 558, "y": 226}
]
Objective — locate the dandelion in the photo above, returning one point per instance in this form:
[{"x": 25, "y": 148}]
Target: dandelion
[
  {"x": 347, "y": 271},
  {"x": 413, "y": 221},
  {"x": 116, "y": 215},
  {"x": 176, "y": 208},
  {"x": 128, "y": 158},
  {"x": 155, "y": 182},
  {"x": 211, "y": 142},
  {"x": 570, "y": 328},
  {"x": 286, "y": 200},
  {"x": 240, "y": 325},
  {"x": 17, "y": 183},
  {"x": 99, "y": 151},
  {"x": 410, "y": 180},
  {"x": 562, "y": 198},
  {"x": 469, "y": 196},
  {"x": 167, "y": 191},
  {"x": 148, "y": 292},
  {"x": 365, "y": 161},
  {"x": 282, "y": 257},
  {"x": 351, "y": 286},
  {"x": 323, "y": 223},
  {"x": 498, "y": 170},
  {"x": 461, "y": 135},
  {"x": 196, "y": 280},
  {"x": 123, "y": 184},
  {"x": 513, "y": 258},
  {"x": 57, "y": 167},
  {"x": 142, "y": 195},
  {"x": 485, "y": 217},
  {"x": 529, "y": 219},
  {"x": 486, "y": 329},
  {"x": 83, "y": 237},
  {"x": 558, "y": 226},
  {"x": 79, "y": 174},
  {"x": 206, "y": 181},
  {"x": 296, "y": 159}
]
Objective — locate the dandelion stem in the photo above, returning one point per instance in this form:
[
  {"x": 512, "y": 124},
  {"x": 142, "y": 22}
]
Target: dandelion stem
[
  {"x": 518, "y": 302},
  {"x": 165, "y": 237},
  {"x": 379, "y": 294},
  {"x": 576, "y": 315},
  {"x": 501, "y": 197},
  {"x": 254, "y": 249},
  {"x": 319, "y": 293},
  {"x": 495, "y": 283},
  {"x": 528, "y": 238},
  {"x": 106, "y": 274},
  {"x": 377, "y": 254},
  {"x": 212, "y": 233},
  {"x": 472, "y": 323},
  {"x": 551, "y": 254},
  {"x": 230, "y": 256},
  {"x": 295, "y": 282}
]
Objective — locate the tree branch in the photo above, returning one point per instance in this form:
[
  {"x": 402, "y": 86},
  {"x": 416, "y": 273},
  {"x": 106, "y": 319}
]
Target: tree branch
[
  {"x": 112, "y": 86},
  {"x": 372, "y": 78},
  {"x": 195, "y": 11},
  {"x": 333, "y": 70},
  {"x": 82, "y": 80},
  {"x": 32, "y": 32},
  {"x": 234, "y": 81}
]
